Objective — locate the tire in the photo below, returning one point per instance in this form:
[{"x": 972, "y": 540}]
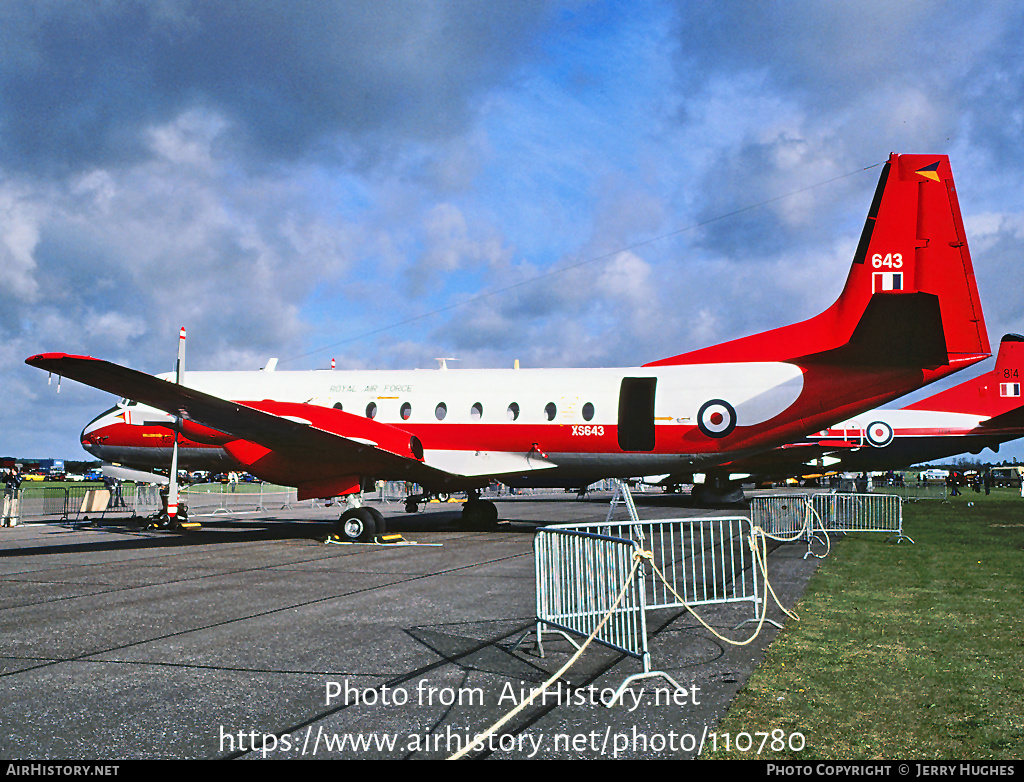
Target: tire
[
  {"x": 378, "y": 520},
  {"x": 480, "y": 514},
  {"x": 357, "y": 525}
]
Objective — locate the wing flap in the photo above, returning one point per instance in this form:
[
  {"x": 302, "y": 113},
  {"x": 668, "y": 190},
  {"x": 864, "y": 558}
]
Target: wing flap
[{"x": 484, "y": 463}]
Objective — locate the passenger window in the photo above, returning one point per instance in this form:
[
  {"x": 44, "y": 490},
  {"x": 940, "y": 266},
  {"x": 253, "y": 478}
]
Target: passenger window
[
  {"x": 513, "y": 411},
  {"x": 337, "y": 406},
  {"x": 406, "y": 411},
  {"x": 588, "y": 412},
  {"x": 476, "y": 412},
  {"x": 440, "y": 411},
  {"x": 371, "y": 410},
  {"x": 550, "y": 410}
]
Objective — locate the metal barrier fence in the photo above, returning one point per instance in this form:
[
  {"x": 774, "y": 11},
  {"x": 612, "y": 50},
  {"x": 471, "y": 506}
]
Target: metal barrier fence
[
  {"x": 793, "y": 517},
  {"x": 783, "y": 516},
  {"x": 580, "y": 570},
  {"x": 222, "y": 498},
  {"x": 63, "y": 503},
  {"x": 703, "y": 561},
  {"x": 59, "y": 503},
  {"x": 860, "y": 513},
  {"x": 915, "y": 491},
  {"x": 579, "y": 575}
]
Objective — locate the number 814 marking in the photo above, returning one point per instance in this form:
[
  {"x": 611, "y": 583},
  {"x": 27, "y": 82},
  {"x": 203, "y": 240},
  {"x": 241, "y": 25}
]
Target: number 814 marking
[{"x": 889, "y": 260}]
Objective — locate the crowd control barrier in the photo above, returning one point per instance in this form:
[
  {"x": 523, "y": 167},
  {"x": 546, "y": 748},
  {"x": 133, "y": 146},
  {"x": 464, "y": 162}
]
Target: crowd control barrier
[
  {"x": 582, "y": 569},
  {"x": 62, "y": 503},
  {"x": 214, "y": 499},
  {"x": 860, "y": 513},
  {"x": 785, "y": 517},
  {"x": 793, "y": 517}
]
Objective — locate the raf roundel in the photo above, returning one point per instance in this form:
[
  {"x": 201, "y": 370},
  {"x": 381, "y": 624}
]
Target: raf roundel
[
  {"x": 716, "y": 418},
  {"x": 879, "y": 433}
]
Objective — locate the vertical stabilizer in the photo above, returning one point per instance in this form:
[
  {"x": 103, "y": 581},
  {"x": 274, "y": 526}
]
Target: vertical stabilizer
[
  {"x": 910, "y": 298},
  {"x": 992, "y": 394}
]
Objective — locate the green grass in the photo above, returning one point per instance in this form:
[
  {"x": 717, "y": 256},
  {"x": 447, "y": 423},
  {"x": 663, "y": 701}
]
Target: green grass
[{"x": 904, "y": 651}]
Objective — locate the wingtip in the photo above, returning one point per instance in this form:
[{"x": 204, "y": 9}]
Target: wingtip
[{"x": 42, "y": 357}]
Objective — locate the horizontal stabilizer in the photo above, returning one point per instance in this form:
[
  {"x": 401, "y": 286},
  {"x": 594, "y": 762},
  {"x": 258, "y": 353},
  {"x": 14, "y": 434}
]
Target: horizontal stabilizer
[
  {"x": 995, "y": 394},
  {"x": 1014, "y": 419},
  {"x": 894, "y": 332}
]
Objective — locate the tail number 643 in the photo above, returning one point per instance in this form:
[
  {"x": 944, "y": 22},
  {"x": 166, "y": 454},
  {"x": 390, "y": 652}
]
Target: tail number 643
[{"x": 889, "y": 260}]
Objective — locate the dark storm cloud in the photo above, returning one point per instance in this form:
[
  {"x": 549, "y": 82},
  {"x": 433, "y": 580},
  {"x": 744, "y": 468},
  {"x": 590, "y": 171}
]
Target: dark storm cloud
[{"x": 81, "y": 82}]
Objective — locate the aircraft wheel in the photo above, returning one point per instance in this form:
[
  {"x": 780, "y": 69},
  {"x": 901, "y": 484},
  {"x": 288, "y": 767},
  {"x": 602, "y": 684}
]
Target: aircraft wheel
[
  {"x": 480, "y": 514},
  {"x": 378, "y": 520},
  {"x": 411, "y": 506},
  {"x": 357, "y": 524}
]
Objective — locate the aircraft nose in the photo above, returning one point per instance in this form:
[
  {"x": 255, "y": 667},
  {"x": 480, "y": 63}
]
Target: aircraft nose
[{"x": 92, "y": 436}]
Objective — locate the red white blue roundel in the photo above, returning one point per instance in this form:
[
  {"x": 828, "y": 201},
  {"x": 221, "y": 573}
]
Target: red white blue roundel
[
  {"x": 716, "y": 418},
  {"x": 879, "y": 433}
]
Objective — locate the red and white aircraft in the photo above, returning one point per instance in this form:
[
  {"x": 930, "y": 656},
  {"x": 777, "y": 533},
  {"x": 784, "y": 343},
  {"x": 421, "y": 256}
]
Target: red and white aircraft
[
  {"x": 980, "y": 413},
  {"x": 908, "y": 315}
]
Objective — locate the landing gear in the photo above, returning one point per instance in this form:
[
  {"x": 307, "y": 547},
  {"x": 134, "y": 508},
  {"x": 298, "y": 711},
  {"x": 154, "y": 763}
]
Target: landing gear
[
  {"x": 412, "y": 502},
  {"x": 161, "y": 520},
  {"x": 718, "y": 490},
  {"x": 361, "y": 525},
  {"x": 478, "y": 513}
]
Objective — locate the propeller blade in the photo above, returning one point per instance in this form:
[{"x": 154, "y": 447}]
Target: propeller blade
[{"x": 172, "y": 489}]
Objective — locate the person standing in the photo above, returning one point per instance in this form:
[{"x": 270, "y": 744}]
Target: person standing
[{"x": 12, "y": 491}]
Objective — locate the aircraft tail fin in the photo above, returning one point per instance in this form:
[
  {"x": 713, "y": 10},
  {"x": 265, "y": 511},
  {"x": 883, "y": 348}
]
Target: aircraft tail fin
[
  {"x": 996, "y": 394},
  {"x": 910, "y": 299}
]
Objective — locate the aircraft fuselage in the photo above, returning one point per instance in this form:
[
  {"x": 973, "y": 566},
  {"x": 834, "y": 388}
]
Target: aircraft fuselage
[{"x": 566, "y": 423}]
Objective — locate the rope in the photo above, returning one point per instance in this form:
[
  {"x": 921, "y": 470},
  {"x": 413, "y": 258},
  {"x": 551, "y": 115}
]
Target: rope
[
  {"x": 809, "y": 511},
  {"x": 821, "y": 527},
  {"x": 760, "y": 554},
  {"x": 761, "y": 559},
  {"x": 481, "y": 737}
]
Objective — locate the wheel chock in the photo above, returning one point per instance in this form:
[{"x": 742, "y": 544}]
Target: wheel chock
[{"x": 390, "y": 538}]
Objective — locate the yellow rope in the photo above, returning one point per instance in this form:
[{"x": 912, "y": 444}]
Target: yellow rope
[
  {"x": 761, "y": 559},
  {"x": 481, "y": 737}
]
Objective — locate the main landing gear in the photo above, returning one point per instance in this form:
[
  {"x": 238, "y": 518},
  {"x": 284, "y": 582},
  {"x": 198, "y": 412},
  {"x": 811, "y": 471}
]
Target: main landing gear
[
  {"x": 361, "y": 524},
  {"x": 476, "y": 513},
  {"x": 718, "y": 490}
]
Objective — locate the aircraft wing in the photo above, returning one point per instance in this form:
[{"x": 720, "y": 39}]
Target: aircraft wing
[{"x": 318, "y": 449}]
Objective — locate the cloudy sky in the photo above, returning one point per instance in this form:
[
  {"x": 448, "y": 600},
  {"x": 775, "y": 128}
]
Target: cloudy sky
[{"x": 383, "y": 182}]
